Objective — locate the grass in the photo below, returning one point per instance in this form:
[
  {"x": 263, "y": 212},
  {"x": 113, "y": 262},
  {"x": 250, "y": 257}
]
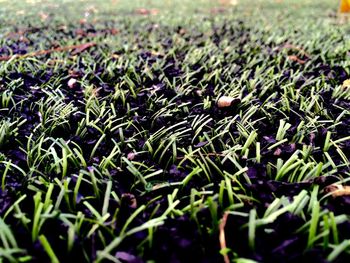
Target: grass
[{"x": 113, "y": 146}]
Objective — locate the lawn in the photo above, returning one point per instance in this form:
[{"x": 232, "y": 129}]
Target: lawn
[{"x": 174, "y": 131}]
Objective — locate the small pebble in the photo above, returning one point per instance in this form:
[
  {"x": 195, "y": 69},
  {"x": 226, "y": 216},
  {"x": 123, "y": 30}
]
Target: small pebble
[
  {"x": 72, "y": 83},
  {"x": 226, "y": 101}
]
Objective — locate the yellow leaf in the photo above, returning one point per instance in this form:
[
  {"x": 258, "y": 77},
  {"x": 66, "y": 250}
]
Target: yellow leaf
[
  {"x": 346, "y": 84},
  {"x": 344, "y": 6}
]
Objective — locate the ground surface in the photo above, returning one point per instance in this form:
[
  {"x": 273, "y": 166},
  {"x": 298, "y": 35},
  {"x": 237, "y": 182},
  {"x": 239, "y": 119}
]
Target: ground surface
[{"x": 113, "y": 147}]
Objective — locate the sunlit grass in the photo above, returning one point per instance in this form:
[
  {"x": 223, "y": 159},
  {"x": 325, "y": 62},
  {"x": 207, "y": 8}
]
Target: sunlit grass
[{"x": 110, "y": 128}]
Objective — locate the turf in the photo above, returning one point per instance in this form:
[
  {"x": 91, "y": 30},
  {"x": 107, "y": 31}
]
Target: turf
[{"x": 113, "y": 147}]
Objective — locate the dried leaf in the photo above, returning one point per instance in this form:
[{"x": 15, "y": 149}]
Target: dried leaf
[
  {"x": 82, "y": 47},
  {"x": 144, "y": 11},
  {"x": 76, "y": 49},
  {"x": 218, "y": 10},
  {"x": 296, "y": 59},
  {"x": 222, "y": 238},
  {"x": 337, "y": 190}
]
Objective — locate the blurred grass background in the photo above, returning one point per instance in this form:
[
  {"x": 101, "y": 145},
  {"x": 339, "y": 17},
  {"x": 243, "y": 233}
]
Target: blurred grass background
[
  {"x": 274, "y": 13},
  {"x": 12, "y": 10},
  {"x": 308, "y": 17}
]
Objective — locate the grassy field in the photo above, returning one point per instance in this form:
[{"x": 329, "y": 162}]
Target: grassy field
[{"x": 117, "y": 143}]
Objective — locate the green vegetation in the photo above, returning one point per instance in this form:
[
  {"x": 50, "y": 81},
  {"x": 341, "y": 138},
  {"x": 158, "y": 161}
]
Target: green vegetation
[{"x": 113, "y": 147}]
